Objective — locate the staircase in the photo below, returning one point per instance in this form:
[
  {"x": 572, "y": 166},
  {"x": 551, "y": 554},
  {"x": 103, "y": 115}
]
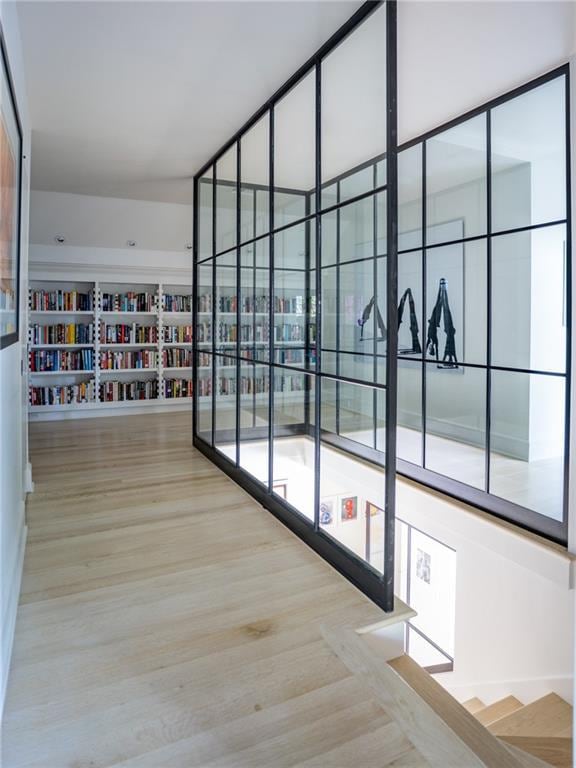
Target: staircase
[
  {"x": 448, "y": 734},
  {"x": 542, "y": 728}
]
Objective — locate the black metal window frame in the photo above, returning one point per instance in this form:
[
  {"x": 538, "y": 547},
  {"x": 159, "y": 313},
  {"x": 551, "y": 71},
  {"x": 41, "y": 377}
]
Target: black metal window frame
[{"x": 378, "y": 586}]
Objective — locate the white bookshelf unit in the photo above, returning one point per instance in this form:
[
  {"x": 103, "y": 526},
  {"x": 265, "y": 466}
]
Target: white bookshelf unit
[{"x": 90, "y": 341}]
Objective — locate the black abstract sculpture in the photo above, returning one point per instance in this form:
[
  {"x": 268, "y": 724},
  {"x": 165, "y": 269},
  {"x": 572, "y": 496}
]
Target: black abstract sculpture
[
  {"x": 442, "y": 310},
  {"x": 414, "y": 330}
]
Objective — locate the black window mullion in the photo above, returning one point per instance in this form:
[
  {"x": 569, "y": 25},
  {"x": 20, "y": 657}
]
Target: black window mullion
[
  {"x": 424, "y": 301},
  {"x": 318, "y": 288},
  {"x": 271, "y": 376},
  {"x": 487, "y": 437},
  {"x": 392, "y": 305},
  {"x": 214, "y": 298},
  {"x": 338, "y": 325},
  {"x": 238, "y": 295},
  {"x": 376, "y": 308}
]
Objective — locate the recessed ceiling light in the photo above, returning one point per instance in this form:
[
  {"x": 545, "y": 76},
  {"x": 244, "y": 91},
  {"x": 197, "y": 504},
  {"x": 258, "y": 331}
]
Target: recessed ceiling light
[
  {"x": 131, "y": 243},
  {"x": 60, "y": 239}
]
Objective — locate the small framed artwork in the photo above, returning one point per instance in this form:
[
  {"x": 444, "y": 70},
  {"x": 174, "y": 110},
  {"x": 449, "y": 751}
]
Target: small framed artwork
[
  {"x": 10, "y": 193},
  {"x": 281, "y": 488},
  {"x": 327, "y": 511},
  {"x": 423, "y": 566},
  {"x": 349, "y": 507}
]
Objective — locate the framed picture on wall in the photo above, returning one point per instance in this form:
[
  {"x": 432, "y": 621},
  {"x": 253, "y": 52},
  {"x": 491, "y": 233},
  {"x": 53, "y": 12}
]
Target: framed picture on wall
[
  {"x": 423, "y": 566},
  {"x": 348, "y": 508},
  {"x": 327, "y": 506},
  {"x": 10, "y": 193}
]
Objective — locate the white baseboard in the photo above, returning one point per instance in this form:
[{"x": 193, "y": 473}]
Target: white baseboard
[
  {"x": 28, "y": 482},
  {"x": 9, "y": 618}
]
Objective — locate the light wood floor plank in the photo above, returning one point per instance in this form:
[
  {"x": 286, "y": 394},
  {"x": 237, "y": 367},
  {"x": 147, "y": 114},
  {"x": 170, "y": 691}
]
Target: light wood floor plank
[{"x": 167, "y": 620}]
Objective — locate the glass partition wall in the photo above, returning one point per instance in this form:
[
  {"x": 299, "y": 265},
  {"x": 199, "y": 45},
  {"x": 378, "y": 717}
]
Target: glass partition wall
[
  {"x": 269, "y": 211},
  {"x": 353, "y": 296}
]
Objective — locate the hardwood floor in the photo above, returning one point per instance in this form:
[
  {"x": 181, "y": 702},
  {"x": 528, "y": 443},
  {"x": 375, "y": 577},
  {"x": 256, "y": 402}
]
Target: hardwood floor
[{"x": 167, "y": 621}]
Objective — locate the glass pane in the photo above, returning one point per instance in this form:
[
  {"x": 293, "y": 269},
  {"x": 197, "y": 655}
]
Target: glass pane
[
  {"x": 456, "y": 301},
  {"x": 204, "y": 396},
  {"x": 226, "y": 201},
  {"x": 205, "y": 304},
  {"x": 529, "y": 158},
  {"x": 410, "y": 198},
  {"x": 226, "y": 304},
  {"x": 293, "y": 460},
  {"x": 254, "y": 306},
  {"x": 225, "y": 415},
  {"x": 357, "y": 412},
  {"x": 205, "y": 211},
  {"x": 329, "y": 319},
  {"x": 288, "y": 208},
  {"x": 255, "y": 181},
  {"x": 290, "y": 249},
  {"x": 352, "y": 503},
  {"x": 527, "y": 440},
  {"x": 294, "y": 149},
  {"x": 253, "y": 439},
  {"x": 330, "y": 240},
  {"x": 410, "y": 324},
  {"x": 456, "y": 182},
  {"x": 328, "y": 415},
  {"x": 355, "y": 184},
  {"x": 354, "y": 101},
  {"x": 290, "y": 317},
  {"x": 362, "y": 322},
  {"x": 357, "y": 230},
  {"x": 529, "y": 300},
  {"x": 409, "y": 431},
  {"x": 456, "y": 423}
]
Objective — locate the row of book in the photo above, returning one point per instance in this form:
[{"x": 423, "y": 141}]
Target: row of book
[
  {"x": 175, "y": 388},
  {"x": 176, "y": 303},
  {"x": 131, "y": 301},
  {"x": 117, "y": 361},
  {"x": 227, "y": 385},
  {"x": 177, "y": 358},
  {"x": 205, "y": 302},
  {"x": 61, "y": 301},
  {"x": 204, "y": 332},
  {"x": 115, "y": 391},
  {"x": 62, "y": 333},
  {"x": 83, "y": 392},
  {"x": 178, "y": 334},
  {"x": 45, "y": 360},
  {"x": 128, "y": 334},
  {"x": 110, "y": 392}
]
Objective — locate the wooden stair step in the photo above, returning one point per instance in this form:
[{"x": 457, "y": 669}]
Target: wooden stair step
[
  {"x": 473, "y": 705},
  {"x": 554, "y": 750},
  {"x": 547, "y": 716},
  {"x": 498, "y": 709}
]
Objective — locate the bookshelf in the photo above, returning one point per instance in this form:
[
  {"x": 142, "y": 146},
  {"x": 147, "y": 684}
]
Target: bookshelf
[{"x": 100, "y": 346}]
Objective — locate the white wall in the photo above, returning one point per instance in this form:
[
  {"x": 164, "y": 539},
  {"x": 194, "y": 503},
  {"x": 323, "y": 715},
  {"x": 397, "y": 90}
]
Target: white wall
[
  {"x": 108, "y": 222},
  {"x": 514, "y": 604},
  {"x": 13, "y": 415}
]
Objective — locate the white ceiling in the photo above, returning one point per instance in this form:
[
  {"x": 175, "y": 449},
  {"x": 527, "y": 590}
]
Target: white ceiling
[{"x": 128, "y": 99}]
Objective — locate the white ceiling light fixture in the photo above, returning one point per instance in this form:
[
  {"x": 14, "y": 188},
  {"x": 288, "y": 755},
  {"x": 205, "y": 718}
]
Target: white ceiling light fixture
[
  {"x": 131, "y": 243},
  {"x": 60, "y": 239}
]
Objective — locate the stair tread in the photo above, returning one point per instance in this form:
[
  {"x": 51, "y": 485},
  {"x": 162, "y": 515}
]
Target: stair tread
[
  {"x": 473, "y": 705},
  {"x": 498, "y": 709},
  {"x": 554, "y": 750},
  {"x": 547, "y": 716}
]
